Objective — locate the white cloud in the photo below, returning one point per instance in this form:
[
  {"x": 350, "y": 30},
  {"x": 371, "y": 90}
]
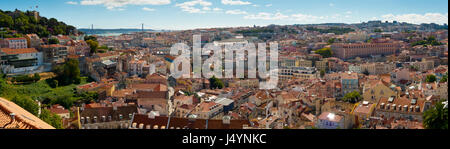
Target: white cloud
[
  {"x": 217, "y": 9},
  {"x": 331, "y": 5},
  {"x": 189, "y": 6},
  {"x": 236, "y": 12},
  {"x": 148, "y": 9},
  {"x": 255, "y": 5},
  {"x": 266, "y": 16},
  {"x": 304, "y": 18},
  {"x": 119, "y": 4},
  {"x": 417, "y": 18},
  {"x": 269, "y": 5},
  {"x": 235, "y": 2},
  {"x": 348, "y": 12},
  {"x": 72, "y": 3}
]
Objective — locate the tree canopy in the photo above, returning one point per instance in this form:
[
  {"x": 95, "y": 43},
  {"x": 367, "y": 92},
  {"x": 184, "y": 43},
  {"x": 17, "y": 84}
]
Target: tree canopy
[
  {"x": 325, "y": 52},
  {"x": 352, "y": 97},
  {"x": 68, "y": 73},
  {"x": 436, "y": 118},
  {"x": 430, "y": 78},
  {"x": 26, "y": 23},
  {"x": 215, "y": 83}
]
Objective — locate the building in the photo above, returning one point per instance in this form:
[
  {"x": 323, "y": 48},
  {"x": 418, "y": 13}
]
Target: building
[
  {"x": 349, "y": 82},
  {"x": 373, "y": 90},
  {"x": 363, "y": 111},
  {"x": 148, "y": 121},
  {"x": 402, "y": 108},
  {"x": 33, "y": 40},
  {"x": 14, "y": 43},
  {"x": 107, "y": 117},
  {"x": 289, "y": 73},
  {"x": 54, "y": 53},
  {"x": 60, "y": 111},
  {"x": 13, "y": 116},
  {"x": 353, "y": 50},
  {"x": 20, "y": 61},
  {"x": 328, "y": 120}
]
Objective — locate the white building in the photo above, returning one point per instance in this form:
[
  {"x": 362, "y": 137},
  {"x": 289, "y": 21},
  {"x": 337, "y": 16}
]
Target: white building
[{"x": 20, "y": 61}]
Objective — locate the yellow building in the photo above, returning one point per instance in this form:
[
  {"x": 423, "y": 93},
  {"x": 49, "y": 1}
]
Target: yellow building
[{"x": 376, "y": 89}]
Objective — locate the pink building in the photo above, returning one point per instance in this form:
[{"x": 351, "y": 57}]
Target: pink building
[
  {"x": 14, "y": 43},
  {"x": 352, "y": 50}
]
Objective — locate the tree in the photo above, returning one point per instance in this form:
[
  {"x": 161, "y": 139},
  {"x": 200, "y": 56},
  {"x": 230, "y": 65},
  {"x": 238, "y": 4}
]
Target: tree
[
  {"x": 53, "y": 41},
  {"x": 93, "y": 45},
  {"x": 322, "y": 73},
  {"x": 93, "y": 38},
  {"x": 444, "y": 78},
  {"x": 36, "y": 77},
  {"x": 215, "y": 83},
  {"x": 331, "y": 41},
  {"x": 26, "y": 103},
  {"x": 51, "y": 118},
  {"x": 68, "y": 73},
  {"x": 430, "y": 78},
  {"x": 436, "y": 118},
  {"x": 352, "y": 97},
  {"x": 325, "y": 52},
  {"x": 366, "y": 72},
  {"x": 6, "y": 20}
]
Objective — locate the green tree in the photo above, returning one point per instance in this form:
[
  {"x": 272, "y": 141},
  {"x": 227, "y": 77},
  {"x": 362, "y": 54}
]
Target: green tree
[
  {"x": 331, "y": 41},
  {"x": 68, "y": 73},
  {"x": 26, "y": 103},
  {"x": 444, "y": 78},
  {"x": 325, "y": 52},
  {"x": 366, "y": 72},
  {"x": 430, "y": 78},
  {"x": 215, "y": 83},
  {"x": 93, "y": 38},
  {"x": 352, "y": 97},
  {"x": 93, "y": 45},
  {"x": 53, "y": 41},
  {"x": 36, "y": 77},
  {"x": 322, "y": 73},
  {"x": 436, "y": 118},
  {"x": 51, "y": 118},
  {"x": 6, "y": 20}
]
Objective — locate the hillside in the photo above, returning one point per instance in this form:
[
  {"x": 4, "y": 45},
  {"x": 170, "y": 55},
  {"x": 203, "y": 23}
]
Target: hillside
[{"x": 30, "y": 22}]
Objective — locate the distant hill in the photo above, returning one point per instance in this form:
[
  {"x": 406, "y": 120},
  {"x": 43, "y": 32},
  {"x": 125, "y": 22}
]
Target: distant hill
[
  {"x": 111, "y": 31},
  {"x": 30, "y": 22}
]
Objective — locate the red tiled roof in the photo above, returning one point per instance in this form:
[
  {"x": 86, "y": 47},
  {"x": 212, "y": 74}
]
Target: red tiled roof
[{"x": 18, "y": 51}]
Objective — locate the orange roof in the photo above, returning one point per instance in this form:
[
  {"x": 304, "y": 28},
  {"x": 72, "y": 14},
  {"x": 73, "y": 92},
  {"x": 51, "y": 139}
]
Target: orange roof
[{"x": 18, "y": 51}]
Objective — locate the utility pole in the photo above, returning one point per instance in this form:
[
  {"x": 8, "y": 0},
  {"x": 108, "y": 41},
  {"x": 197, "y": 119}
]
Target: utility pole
[{"x": 142, "y": 27}]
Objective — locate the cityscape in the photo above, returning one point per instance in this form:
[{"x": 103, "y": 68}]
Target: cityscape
[{"x": 223, "y": 64}]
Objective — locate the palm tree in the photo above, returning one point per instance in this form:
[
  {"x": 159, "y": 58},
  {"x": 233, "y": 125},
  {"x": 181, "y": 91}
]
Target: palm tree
[{"x": 436, "y": 118}]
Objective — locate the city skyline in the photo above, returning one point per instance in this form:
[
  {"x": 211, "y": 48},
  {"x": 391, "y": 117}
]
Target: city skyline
[{"x": 168, "y": 14}]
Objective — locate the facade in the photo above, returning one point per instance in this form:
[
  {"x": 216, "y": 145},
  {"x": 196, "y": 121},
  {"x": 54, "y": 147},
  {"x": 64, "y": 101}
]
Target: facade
[
  {"x": 353, "y": 50},
  {"x": 289, "y": 73},
  {"x": 54, "y": 53},
  {"x": 328, "y": 120},
  {"x": 14, "y": 43},
  {"x": 402, "y": 107},
  {"x": 20, "y": 61},
  {"x": 349, "y": 81}
]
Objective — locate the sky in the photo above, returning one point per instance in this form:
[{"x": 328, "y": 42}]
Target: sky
[{"x": 192, "y": 14}]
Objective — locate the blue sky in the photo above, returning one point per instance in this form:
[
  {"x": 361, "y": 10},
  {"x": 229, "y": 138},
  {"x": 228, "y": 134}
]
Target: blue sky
[{"x": 190, "y": 14}]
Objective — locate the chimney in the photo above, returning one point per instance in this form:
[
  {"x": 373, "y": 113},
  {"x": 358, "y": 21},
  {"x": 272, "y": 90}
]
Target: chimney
[{"x": 226, "y": 120}]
